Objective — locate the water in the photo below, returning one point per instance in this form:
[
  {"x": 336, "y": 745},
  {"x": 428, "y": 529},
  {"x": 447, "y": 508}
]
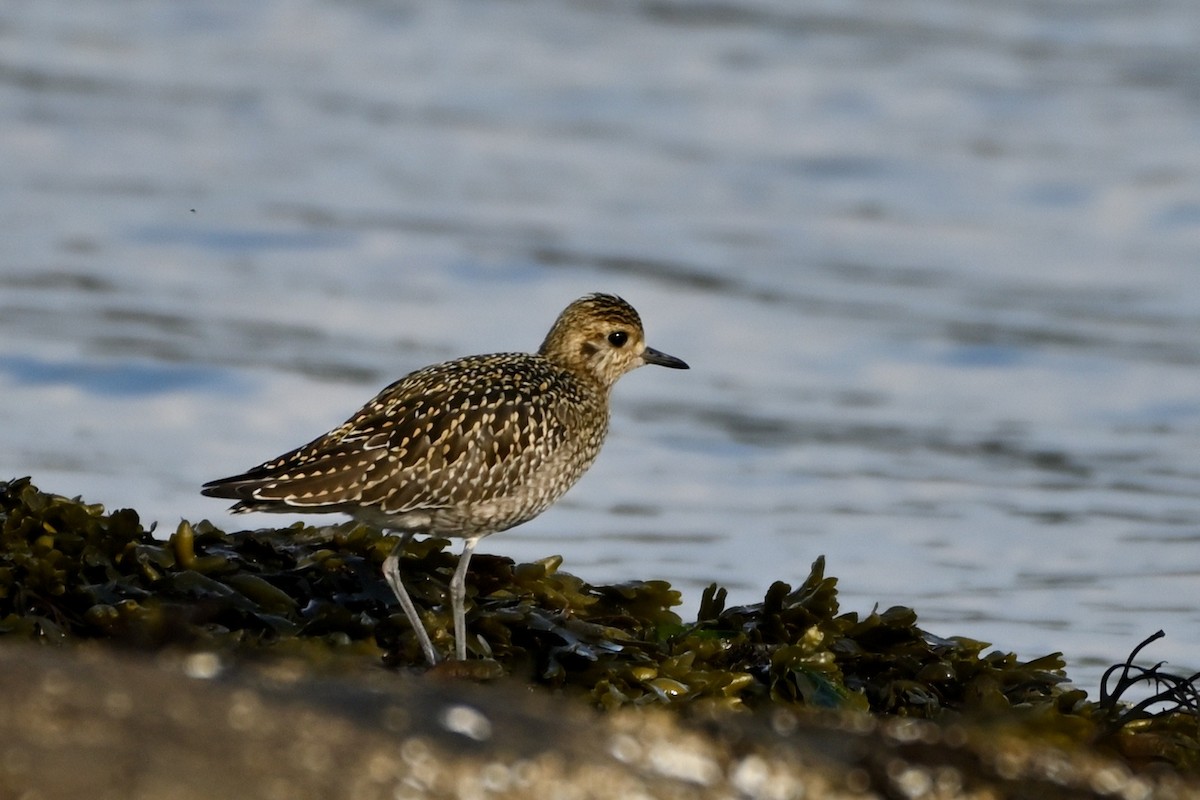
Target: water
[{"x": 933, "y": 263}]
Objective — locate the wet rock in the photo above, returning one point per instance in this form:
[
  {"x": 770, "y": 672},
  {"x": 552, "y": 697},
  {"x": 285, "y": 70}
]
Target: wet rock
[
  {"x": 273, "y": 663},
  {"x": 94, "y": 722}
]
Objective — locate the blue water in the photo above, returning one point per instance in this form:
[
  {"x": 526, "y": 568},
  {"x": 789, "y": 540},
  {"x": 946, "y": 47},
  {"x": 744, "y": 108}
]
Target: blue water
[{"x": 934, "y": 264}]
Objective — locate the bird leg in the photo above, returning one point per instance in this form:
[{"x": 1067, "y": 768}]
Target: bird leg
[
  {"x": 391, "y": 573},
  {"x": 458, "y": 596}
]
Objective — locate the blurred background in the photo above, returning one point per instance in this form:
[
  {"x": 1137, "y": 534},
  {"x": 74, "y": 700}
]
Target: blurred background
[{"x": 934, "y": 264}]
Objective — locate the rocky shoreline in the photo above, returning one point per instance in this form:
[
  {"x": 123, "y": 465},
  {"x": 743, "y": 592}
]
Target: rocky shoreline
[{"x": 272, "y": 664}]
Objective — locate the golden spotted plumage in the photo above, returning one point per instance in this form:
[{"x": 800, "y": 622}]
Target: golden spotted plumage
[{"x": 465, "y": 448}]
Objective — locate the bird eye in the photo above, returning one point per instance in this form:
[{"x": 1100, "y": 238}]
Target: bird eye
[{"x": 618, "y": 338}]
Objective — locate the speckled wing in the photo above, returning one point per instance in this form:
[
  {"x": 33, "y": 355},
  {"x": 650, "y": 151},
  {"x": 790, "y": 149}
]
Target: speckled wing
[{"x": 455, "y": 435}]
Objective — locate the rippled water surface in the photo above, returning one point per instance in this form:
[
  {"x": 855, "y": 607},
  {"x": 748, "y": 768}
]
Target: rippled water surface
[{"x": 935, "y": 265}]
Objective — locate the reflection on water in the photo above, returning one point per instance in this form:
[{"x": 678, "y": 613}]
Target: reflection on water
[
  {"x": 128, "y": 378},
  {"x": 932, "y": 263}
]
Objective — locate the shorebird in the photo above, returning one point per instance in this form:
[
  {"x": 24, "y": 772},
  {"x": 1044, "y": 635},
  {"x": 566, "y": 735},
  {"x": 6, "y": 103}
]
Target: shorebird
[{"x": 466, "y": 448}]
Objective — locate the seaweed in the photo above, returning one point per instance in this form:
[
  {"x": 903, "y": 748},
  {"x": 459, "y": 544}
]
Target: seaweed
[
  {"x": 69, "y": 571},
  {"x": 1171, "y": 732}
]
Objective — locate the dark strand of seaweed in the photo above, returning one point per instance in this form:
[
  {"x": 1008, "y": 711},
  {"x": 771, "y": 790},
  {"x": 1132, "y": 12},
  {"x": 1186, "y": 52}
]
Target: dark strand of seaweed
[{"x": 1180, "y": 695}]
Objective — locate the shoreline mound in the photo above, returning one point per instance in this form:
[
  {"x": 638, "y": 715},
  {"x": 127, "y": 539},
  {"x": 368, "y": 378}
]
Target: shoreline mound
[{"x": 71, "y": 573}]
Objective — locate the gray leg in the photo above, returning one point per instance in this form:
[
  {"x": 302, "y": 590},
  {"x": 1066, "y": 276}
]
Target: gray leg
[
  {"x": 391, "y": 573},
  {"x": 458, "y": 596}
]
